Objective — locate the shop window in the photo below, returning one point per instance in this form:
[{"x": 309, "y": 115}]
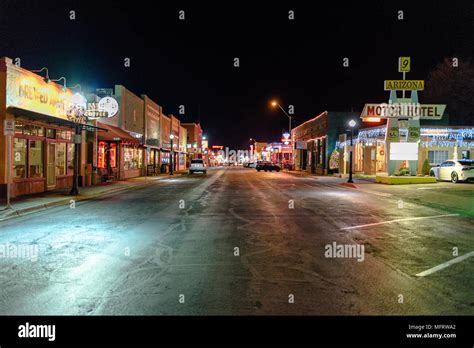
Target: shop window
[
  {"x": 51, "y": 133},
  {"x": 132, "y": 158},
  {"x": 66, "y": 135},
  {"x": 36, "y": 159},
  {"x": 70, "y": 158},
  {"x": 113, "y": 155},
  {"x": 19, "y": 158},
  {"x": 437, "y": 157},
  {"x": 465, "y": 154},
  {"x": 101, "y": 155},
  {"x": 60, "y": 159}
]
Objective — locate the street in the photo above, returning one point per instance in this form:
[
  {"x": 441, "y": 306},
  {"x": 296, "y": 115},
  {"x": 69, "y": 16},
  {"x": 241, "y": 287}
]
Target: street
[{"x": 238, "y": 242}]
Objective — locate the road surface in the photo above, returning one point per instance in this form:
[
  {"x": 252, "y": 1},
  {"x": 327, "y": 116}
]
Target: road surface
[{"x": 240, "y": 242}]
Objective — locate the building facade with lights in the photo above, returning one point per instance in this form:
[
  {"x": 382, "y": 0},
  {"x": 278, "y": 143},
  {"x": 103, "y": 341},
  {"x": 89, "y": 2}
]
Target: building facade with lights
[
  {"x": 120, "y": 150},
  {"x": 438, "y": 143},
  {"x": 194, "y": 140},
  {"x": 315, "y": 139},
  {"x": 42, "y": 141}
]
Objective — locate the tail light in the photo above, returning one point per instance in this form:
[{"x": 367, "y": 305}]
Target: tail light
[{"x": 467, "y": 168}]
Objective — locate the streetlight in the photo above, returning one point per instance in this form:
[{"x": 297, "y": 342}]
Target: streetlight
[
  {"x": 172, "y": 154},
  {"x": 275, "y": 104},
  {"x": 352, "y": 124}
]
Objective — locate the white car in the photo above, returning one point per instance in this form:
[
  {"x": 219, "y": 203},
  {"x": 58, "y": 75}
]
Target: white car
[
  {"x": 197, "y": 165},
  {"x": 252, "y": 165},
  {"x": 454, "y": 170}
]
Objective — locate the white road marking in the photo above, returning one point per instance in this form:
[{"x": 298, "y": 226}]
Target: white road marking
[
  {"x": 444, "y": 265},
  {"x": 398, "y": 220}
]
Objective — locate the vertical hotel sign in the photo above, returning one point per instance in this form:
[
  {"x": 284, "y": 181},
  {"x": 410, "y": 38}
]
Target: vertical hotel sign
[{"x": 28, "y": 91}]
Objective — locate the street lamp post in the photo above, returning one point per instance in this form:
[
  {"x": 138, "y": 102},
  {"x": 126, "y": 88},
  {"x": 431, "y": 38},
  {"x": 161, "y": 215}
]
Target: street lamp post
[
  {"x": 352, "y": 124},
  {"x": 274, "y": 103},
  {"x": 171, "y": 154}
]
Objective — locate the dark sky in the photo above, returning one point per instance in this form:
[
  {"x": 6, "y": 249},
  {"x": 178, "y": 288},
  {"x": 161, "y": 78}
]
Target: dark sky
[{"x": 191, "y": 62}]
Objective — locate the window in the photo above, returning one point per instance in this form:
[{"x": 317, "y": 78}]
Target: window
[
  {"x": 447, "y": 164},
  {"x": 132, "y": 158},
  {"x": 66, "y": 135},
  {"x": 437, "y": 157},
  {"x": 101, "y": 155},
  {"x": 19, "y": 158},
  {"x": 36, "y": 159},
  {"x": 60, "y": 159},
  {"x": 113, "y": 155},
  {"x": 51, "y": 133}
]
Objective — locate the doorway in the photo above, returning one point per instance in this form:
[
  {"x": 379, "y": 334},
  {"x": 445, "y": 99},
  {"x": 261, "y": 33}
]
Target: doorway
[{"x": 51, "y": 166}]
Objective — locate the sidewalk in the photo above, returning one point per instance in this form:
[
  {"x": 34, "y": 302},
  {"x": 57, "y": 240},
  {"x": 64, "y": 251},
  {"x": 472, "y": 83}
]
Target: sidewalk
[{"x": 29, "y": 204}]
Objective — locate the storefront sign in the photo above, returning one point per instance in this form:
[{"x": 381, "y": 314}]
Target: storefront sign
[
  {"x": 9, "y": 127},
  {"x": 404, "y": 110},
  {"x": 301, "y": 145},
  {"x": 413, "y": 134},
  {"x": 28, "y": 91},
  {"x": 398, "y": 85},
  {"x": 109, "y": 105},
  {"x": 393, "y": 134},
  {"x": 404, "y": 64}
]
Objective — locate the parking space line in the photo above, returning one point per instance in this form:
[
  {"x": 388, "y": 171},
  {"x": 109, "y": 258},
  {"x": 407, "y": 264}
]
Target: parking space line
[
  {"x": 397, "y": 220},
  {"x": 444, "y": 265}
]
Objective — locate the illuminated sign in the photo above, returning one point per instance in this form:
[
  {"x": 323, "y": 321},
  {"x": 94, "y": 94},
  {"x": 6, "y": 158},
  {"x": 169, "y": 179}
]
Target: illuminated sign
[
  {"x": 404, "y": 64},
  {"x": 28, "y": 91},
  {"x": 398, "y": 85},
  {"x": 217, "y": 147},
  {"x": 110, "y": 105},
  {"x": 371, "y": 119},
  {"x": 404, "y": 110}
]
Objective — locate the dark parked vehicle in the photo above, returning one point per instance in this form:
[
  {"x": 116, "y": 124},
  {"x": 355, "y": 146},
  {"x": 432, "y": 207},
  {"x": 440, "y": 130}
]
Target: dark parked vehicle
[{"x": 267, "y": 166}]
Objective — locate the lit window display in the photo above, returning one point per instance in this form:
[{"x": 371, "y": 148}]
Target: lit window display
[
  {"x": 132, "y": 157},
  {"x": 36, "y": 159},
  {"x": 19, "y": 158},
  {"x": 60, "y": 159}
]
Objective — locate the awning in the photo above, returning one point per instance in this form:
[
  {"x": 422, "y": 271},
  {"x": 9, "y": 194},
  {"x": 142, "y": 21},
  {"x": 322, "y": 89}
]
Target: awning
[
  {"x": 115, "y": 134},
  {"x": 35, "y": 116}
]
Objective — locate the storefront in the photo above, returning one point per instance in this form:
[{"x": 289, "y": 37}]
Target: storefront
[
  {"x": 42, "y": 146},
  {"x": 119, "y": 154},
  {"x": 437, "y": 144},
  {"x": 315, "y": 139}
]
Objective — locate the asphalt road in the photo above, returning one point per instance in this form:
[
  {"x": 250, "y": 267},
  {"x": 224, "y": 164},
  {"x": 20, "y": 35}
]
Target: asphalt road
[{"x": 170, "y": 248}]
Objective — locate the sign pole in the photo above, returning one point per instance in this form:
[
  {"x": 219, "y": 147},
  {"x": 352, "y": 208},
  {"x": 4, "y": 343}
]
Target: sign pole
[{"x": 9, "y": 132}]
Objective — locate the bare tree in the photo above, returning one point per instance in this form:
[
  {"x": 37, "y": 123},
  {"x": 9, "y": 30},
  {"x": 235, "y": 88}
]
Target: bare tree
[{"x": 452, "y": 83}]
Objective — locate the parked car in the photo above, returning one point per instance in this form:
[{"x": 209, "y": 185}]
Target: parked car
[
  {"x": 197, "y": 165},
  {"x": 267, "y": 166},
  {"x": 454, "y": 170},
  {"x": 252, "y": 164}
]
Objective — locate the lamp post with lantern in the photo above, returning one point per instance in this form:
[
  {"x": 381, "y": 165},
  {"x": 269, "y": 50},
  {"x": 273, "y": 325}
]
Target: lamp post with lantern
[{"x": 352, "y": 124}]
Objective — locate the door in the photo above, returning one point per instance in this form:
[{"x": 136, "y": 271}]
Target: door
[
  {"x": 369, "y": 160},
  {"x": 51, "y": 166}
]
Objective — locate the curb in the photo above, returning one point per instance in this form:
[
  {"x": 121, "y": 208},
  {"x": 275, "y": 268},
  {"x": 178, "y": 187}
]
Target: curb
[
  {"x": 348, "y": 184},
  {"x": 60, "y": 202}
]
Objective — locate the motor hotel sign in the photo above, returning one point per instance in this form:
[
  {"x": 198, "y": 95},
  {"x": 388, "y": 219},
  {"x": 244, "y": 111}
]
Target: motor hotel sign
[{"x": 404, "y": 110}]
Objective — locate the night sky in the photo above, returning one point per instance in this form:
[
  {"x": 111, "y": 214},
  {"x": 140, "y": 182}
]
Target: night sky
[{"x": 191, "y": 62}]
